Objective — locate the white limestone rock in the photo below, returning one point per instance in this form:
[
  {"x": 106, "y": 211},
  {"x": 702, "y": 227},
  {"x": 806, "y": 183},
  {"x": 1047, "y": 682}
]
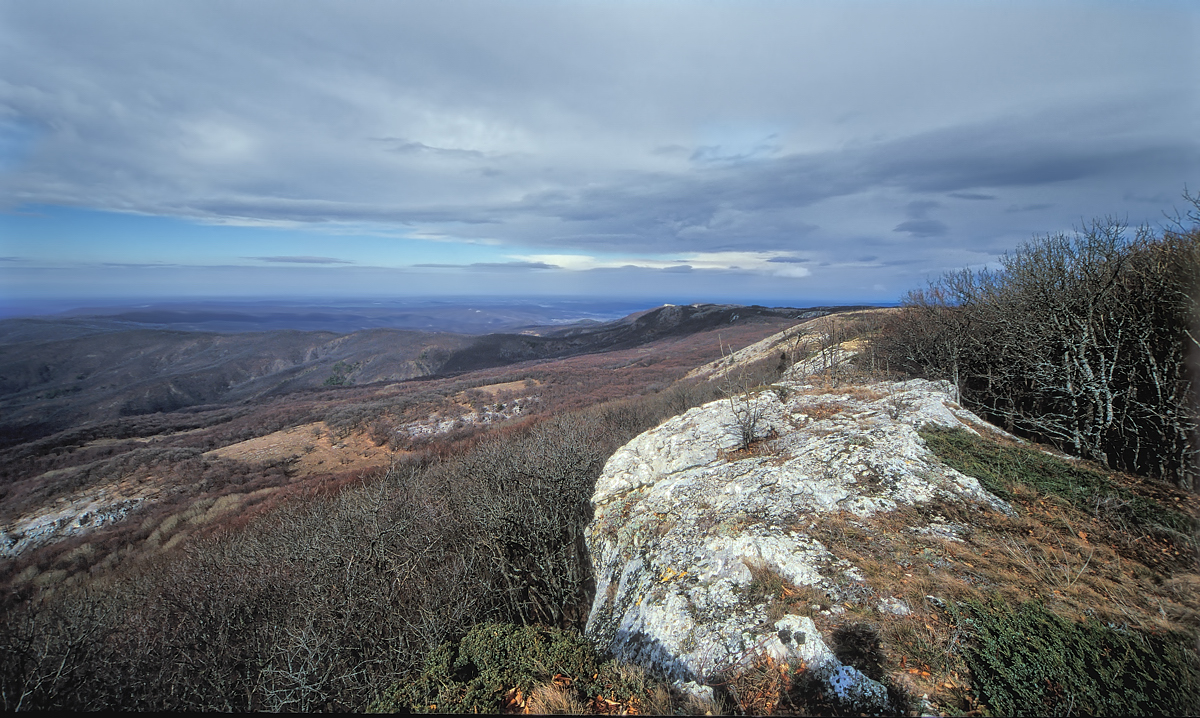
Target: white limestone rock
[
  {"x": 680, "y": 519},
  {"x": 70, "y": 518},
  {"x": 894, "y": 606}
]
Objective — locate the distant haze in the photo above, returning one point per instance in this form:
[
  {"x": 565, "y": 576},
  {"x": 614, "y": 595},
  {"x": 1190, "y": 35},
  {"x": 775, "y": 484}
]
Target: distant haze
[
  {"x": 781, "y": 153},
  {"x": 468, "y": 315}
]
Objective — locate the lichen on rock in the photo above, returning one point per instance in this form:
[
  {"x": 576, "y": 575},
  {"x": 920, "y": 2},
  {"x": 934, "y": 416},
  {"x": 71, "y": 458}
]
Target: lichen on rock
[{"x": 682, "y": 517}]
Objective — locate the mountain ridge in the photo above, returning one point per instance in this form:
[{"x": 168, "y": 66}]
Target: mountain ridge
[{"x": 91, "y": 369}]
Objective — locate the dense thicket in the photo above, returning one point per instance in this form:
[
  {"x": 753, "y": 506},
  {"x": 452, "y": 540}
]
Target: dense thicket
[
  {"x": 323, "y": 603},
  {"x": 1079, "y": 340}
]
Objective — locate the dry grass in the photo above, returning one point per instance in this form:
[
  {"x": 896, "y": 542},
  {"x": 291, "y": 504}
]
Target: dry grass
[
  {"x": 553, "y": 699},
  {"x": 1050, "y": 553},
  {"x": 505, "y": 387},
  {"x": 760, "y": 688},
  {"x": 861, "y": 393},
  {"x": 312, "y": 448},
  {"x": 824, "y": 410},
  {"x": 630, "y": 691},
  {"x": 758, "y": 448}
]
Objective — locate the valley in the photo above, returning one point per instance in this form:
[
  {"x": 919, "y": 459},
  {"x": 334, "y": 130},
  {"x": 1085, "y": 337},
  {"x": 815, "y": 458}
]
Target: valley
[
  {"x": 107, "y": 429},
  {"x": 790, "y": 525}
]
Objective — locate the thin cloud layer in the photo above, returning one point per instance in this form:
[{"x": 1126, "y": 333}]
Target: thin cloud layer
[
  {"x": 301, "y": 260},
  {"x": 787, "y": 141}
]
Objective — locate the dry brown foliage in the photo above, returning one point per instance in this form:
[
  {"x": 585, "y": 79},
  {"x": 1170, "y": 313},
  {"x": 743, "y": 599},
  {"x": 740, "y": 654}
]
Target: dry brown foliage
[
  {"x": 824, "y": 410},
  {"x": 1076, "y": 564}
]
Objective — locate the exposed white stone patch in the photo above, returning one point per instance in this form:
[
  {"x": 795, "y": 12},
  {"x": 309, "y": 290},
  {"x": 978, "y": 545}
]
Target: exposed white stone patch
[
  {"x": 69, "y": 519},
  {"x": 797, "y": 640},
  {"x": 894, "y": 606},
  {"x": 939, "y": 528},
  {"x": 681, "y": 519},
  {"x": 490, "y": 414}
]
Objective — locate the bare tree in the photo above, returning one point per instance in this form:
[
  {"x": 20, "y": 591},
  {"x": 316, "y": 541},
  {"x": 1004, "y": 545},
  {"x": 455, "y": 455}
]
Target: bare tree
[{"x": 1081, "y": 340}]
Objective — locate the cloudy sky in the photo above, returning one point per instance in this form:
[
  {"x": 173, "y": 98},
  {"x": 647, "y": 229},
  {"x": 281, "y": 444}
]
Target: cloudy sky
[{"x": 782, "y": 152}]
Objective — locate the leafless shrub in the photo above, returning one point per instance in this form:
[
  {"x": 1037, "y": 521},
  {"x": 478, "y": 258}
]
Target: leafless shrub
[
  {"x": 1081, "y": 341},
  {"x": 739, "y": 386},
  {"x": 328, "y": 590},
  {"x": 896, "y": 406}
]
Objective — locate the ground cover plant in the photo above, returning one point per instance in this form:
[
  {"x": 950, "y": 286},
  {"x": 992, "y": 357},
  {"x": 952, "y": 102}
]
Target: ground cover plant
[
  {"x": 1002, "y": 467},
  {"x": 1027, "y": 659},
  {"x": 500, "y": 667}
]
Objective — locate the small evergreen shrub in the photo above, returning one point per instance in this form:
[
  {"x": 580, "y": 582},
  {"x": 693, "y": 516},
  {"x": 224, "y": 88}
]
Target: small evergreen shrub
[
  {"x": 497, "y": 663},
  {"x": 1030, "y": 661},
  {"x": 473, "y": 675}
]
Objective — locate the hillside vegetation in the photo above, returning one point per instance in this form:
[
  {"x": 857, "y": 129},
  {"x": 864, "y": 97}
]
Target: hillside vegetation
[
  {"x": 453, "y": 575},
  {"x": 1087, "y": 342},
  {"x": 323, "y": 600},
  {"x": 60, "y": 374}
]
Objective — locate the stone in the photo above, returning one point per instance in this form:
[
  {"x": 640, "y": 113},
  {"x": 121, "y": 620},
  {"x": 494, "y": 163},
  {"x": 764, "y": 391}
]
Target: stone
[
  {"x": 893, "y": 605},
  {"x": 683, "y": 520}
]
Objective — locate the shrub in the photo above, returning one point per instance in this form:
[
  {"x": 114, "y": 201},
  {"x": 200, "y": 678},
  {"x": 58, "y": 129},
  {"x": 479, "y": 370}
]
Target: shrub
[
  {"x": 326, "y": 598},
  {"x": 1029, "y": 661},
  {"x": 497, "y": 664},
  {"x": 1081, "y": 341},
  {"x": 473, "y": 675}
]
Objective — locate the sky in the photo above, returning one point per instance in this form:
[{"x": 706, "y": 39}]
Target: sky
[{"x": 776, "y": 152}]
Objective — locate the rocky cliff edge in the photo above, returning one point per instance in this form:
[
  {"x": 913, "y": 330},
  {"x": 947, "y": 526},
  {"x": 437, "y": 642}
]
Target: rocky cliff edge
[{"x": 688, "y": 518}]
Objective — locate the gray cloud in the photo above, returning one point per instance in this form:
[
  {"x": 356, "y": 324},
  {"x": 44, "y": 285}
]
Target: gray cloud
[
  {"x": 922, "y": 227},
  {"x": 511, "y": 265},
  {"x": 921, "y": 224},
  {"x": 137, "y": 265},
  {"x": 602, "y": 128},
  {"x": 402, "y": 146}
]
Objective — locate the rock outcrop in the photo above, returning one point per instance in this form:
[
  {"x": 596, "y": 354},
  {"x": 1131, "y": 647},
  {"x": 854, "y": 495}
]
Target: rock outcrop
[{"x": 685, "y": 516}]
